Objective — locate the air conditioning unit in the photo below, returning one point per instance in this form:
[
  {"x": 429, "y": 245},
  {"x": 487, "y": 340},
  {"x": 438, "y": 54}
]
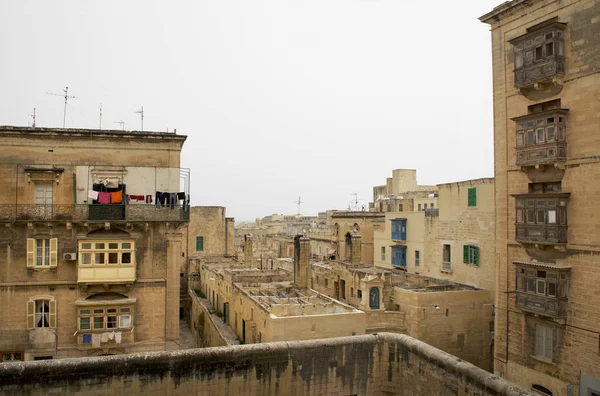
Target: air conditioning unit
[{"x": 70, "y": 256}]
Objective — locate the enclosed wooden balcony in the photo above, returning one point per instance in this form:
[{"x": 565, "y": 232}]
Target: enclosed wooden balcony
[
  {"x": 541, "y": 218},
  {"x": 541, "y": 138}
]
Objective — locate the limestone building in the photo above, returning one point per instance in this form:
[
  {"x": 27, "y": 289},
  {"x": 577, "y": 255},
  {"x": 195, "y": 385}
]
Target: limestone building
[
  {"x": 453, "y": 240},
  {"x": 546, "y": 82},
  {"x": 90, "y": 243}
]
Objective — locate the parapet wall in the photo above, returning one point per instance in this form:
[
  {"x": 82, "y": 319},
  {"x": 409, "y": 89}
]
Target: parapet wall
[{"x": 378, "y": 364}]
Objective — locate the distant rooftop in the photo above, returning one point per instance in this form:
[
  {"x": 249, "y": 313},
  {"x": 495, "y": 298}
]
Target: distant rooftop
[{"x": 39, "y": 131}]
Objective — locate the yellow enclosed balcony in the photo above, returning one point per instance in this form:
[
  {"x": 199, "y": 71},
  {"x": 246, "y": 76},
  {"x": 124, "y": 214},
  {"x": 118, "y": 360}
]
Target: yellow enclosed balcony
[{"x": 106, "y": 262}]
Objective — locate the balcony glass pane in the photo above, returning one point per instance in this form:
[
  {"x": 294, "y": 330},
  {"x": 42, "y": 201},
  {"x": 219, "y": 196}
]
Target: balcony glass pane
[
  {"x": 99, "y": 246},
  {"x": 86, "y": 258},
  {"x": 99, "y": 322},
  {"x": 113, "y": 258},
  {"x": 84, "y": 323},
  {"x": 99, "y": 258},
  {"x": 552, "y": 217},
  {"x": 113, "y": 245},
  {"x": 126, "y": 258},
  {"x": 126, "y": 245},
  {"x": 86, "y": 246}
]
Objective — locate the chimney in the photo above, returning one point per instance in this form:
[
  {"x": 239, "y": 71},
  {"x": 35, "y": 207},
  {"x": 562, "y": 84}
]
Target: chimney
[
  {"x": 302, "y": 269},
  {"x": 248, "y": 250},
  {"x": 353, "y": 248}
]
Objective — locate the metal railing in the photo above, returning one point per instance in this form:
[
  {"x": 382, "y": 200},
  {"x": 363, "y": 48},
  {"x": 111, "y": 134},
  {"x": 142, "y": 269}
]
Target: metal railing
[
  {"x": 84, "y": 212},
  {"x": 432, "y": 212}
]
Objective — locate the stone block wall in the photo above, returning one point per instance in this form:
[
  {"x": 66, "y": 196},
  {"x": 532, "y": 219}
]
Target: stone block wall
[{"x": 383, "y": 364}]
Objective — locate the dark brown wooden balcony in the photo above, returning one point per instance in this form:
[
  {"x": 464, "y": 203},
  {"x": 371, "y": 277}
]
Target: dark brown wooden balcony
[
  {"x": 91, "y": 213},
  {"x": 541, "y": 218},
  {"x": 545, "y": 305},
  {"x": 541, "y": 233},
  {"x": 548, "y": 153}
]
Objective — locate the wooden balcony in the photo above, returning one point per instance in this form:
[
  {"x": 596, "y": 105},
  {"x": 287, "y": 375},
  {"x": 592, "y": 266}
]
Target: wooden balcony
[
  {"x": 105, "y": 274},
  {"x": 551, "y": 306},
  {"x": 540, "y": 154},
  {"x": 541, "y": 233}
]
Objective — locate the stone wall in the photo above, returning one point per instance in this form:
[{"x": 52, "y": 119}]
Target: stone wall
[
  {"x": 208, "y": 329},
  {"x": 384, "y": 364}
]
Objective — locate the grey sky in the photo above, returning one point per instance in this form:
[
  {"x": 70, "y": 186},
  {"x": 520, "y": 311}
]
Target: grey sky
[{"x": 319, "y": 98}]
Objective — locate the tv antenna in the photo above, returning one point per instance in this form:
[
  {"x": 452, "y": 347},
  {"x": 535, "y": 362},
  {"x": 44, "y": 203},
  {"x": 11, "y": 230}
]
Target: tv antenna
[
  {"x": 66, "y": 96},
  {"x": 122, "y": 123},
  {"x": 355, "y": 201},
  {"x": 141, "y": 112},
  {"x": 33, "y": 116},
  {"x": 299, "y": 202}
]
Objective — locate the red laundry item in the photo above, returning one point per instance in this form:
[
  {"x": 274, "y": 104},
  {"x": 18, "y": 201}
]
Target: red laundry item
[
  {"x": 104, "y": 197},
  {"x": 136, "y": 197},
  {"x": 148, "y": 199},
  {"x": 116, "y": 197}
]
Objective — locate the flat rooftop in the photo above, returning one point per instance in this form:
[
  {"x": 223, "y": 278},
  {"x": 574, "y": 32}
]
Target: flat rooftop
[{"x": 285, "y": 299}]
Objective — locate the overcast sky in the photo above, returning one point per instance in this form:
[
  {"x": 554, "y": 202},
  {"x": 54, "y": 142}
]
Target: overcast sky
[{"x": 318, "y": 98}]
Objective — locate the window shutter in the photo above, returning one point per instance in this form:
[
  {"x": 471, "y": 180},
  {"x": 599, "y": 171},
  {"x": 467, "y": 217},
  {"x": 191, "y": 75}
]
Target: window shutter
[
  {"x": 53, "y": 252},
  {"x": 30, "y": 252},
  {"x": 53, "y": 313},
  {"x": 476, "y": 255},
  {"x": 548, "y": 343},
  {"x": 30, "y": 314},
  {"x": 466, "y": 254},
  {"x": 199, "y": 243},
  {"x": 472, "y": 196}
]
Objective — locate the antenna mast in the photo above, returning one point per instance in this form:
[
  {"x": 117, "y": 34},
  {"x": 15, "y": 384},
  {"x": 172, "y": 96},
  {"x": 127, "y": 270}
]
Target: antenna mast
[
  {"x": 122, "y": 123},
  {"x": 355, "y": 202},
  {"x": 33, "y": 116},
  {"x": 66, "y": 96},
  {"x": 100, "y": 116},
  {"x": 142, "y": 114},
  {"x": 299, "y": 202}
]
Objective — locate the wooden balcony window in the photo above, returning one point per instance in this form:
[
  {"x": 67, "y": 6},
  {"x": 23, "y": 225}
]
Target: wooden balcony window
[
  {"x": 542, "y": 289},
  {"x": 539, "y": 54},
  {"x": 541, "y": 138},
  {"x": 541, "y": 218}
]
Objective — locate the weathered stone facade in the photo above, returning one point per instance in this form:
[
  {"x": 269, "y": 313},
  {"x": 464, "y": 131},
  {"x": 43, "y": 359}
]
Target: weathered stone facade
[
  {"x": 383, "y": 365},
  {"x": 547, "y": 193},
  {"x": 79, "y": 278}
]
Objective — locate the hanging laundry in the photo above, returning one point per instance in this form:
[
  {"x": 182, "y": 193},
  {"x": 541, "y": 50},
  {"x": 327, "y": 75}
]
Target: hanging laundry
[
  {"x": 96, "y": 340},
  {"x": 116, "y": 197},
  {"x": 93, "y": 195},
  {"x": 118, "y": 337},
  {"x": 105, "y": 337},
  {"x": 148, "y": 199},
  {"x": 172, "y": 200},
  {"x": 104, "y": 198},
  {"x": 180, "y": 196},
  {"x": 87, "y": 338},
  {"x": 137, "y": 197},
  {"x": 111, "y": 336}
]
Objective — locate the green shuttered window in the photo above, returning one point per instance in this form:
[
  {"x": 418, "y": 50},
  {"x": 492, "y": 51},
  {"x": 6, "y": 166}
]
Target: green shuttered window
[
  {"x": 471, "y": 254},
  {"x": 473, "y": 196},
  {"x": 199, "y": 244}
]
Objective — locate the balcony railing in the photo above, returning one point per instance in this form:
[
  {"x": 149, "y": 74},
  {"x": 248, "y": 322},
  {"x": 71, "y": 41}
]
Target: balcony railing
[
  {"x": 542, "y": 304},
  {"x": 542, "y": 153},
  {"x": 539, "y": 72},
  {"x": 84, "y": 212},
  {"x": 399, "y": 236},
  {"x": 432, "y": 212},
  {"x": 446, "y": 266},
  {"x": 541, "y": 233}
]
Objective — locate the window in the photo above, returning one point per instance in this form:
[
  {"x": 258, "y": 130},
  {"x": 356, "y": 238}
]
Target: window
[
  {"x": 359, "y": 294},
  {"x": 543, "y": 341},
  {"x": 419, "y": 207},
  {"x": 472, "y": 196},
  {"x": 199, "y": 243},
  {"x": 383, "y": 253},
  {"x": 42, "y": 252},
  {"x": 446, "y": 254},
  {"x": 417, "y": 258},
  {"x": 109, "y": 318},
  {"x": 471, "y": 254},
  {"x": 43, "y": 193},
  {"x": 11, "y": 356},
  {"x": 541, "y": 282},
  {"x": 41, "y": 313},
  {"x": 111, "y": 253}
]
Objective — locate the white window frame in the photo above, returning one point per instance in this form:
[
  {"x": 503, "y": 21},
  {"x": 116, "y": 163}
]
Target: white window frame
[
  {"x": 90, "y": 313},
  {"x": 544, "y": 336},
  {"x": 94, "y": 253}
]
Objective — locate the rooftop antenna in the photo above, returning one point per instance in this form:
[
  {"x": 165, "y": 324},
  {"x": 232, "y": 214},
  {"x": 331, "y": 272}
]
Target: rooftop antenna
[
  {"x": 142, "y": 114},
  {"x": 33, "y": 116},
  {"x": 100, "y": 127},
  {"x": 299, "y": 202},
  {"x": 355, "y": 202},
  {"x": 122, "y": 123},
  {"x": 66, "y": 96}
]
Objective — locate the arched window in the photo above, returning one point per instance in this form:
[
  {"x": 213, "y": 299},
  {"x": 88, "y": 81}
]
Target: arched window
[
  {"x": 374, "y": 298},
  {"x": 542, "y": 389}
]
